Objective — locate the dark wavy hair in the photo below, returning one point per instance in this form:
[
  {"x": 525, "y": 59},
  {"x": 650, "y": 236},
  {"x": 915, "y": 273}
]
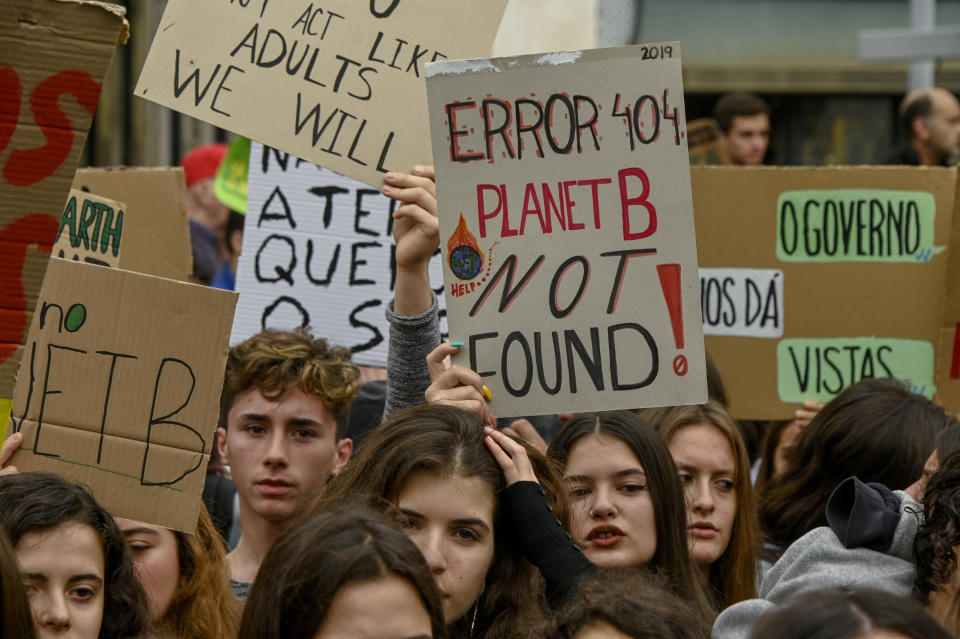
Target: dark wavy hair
[
  {"x": 315, "y": 559},
  {"x": 847, "y": 614},
  {"x": 15, "y": 618},
  {"x": 449, "y": 441},
  {"x": 34, "y": 502},
  {"x": 875, "y": 430},
  {"x": 671, "y": 560},
  {"x": 939, "y": 534},
  {"x": 635, "y": 603}
]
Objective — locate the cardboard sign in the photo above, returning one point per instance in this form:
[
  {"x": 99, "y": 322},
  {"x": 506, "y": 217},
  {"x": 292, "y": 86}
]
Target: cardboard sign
[
  {"x": 567, "y": 228},
  {"x": 844, "y": 272},
  {"x": 120, "y": 388},
  {"x": 54, "y": 56},
  {"x": 338, "y": 83},
  {"x": 157, "y": 233},
  {"x": 703, "y": 141},
  {"x": 91, "y": 230},
  {"x": 318, "y": 251}
]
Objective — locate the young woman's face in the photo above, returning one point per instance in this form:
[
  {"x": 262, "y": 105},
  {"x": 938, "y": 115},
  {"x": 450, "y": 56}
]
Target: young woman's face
[
  {"x": 450, "y": 519},
  {"x": 156, "y": 561},
  {"x": 63, "y": 572},
  {"x": 612, "y": 506},
  {"x": 704, "y": 459},
  {"x": 388, "y": 608}
]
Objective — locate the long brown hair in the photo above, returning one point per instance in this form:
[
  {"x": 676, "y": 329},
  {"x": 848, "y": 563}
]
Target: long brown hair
[
  {"x": 671, "y": 560},
  {"x": 449, "y": 441},
  {"x": 875, "y": 430},
  {"x": 15, "y": 617},
  {"x": 314, "y": 560},
  {"x": 203, "y": 605},
  {"x": 732, "y": 576}
]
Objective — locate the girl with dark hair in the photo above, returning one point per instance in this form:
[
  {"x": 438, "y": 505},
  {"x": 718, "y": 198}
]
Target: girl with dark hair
[
  {"x": 344, "y": 572},
  {"x": 722, "y": 530},
  {"x": 72, "y": 558},
  {"x": 845, "y": 614},
  {"x": 432, "y": 466},
  {"x": 15, "y": 618},
  {"x": 185, "y": 578},
  {"x": 623, "y": 603},
  {"x": 875, "y": 430},
  {"x": 627, "y": 500}
]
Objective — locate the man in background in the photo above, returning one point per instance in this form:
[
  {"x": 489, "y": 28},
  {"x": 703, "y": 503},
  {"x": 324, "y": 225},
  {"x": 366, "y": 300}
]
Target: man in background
[
  {"x": 207, "y": 215},
  {"x": 744, "y": 120},
  {"x": 929, "y": 122}
]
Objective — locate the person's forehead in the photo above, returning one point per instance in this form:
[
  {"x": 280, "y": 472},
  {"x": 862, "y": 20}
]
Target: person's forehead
[
  {"x": 755, "y": 121},
  {"x": 289, "y": 406},
  {"x": 945, "y": 104}
]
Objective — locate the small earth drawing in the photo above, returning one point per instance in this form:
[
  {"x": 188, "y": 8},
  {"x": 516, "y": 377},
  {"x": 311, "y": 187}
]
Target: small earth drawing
[{"x": 465, "y": 262}]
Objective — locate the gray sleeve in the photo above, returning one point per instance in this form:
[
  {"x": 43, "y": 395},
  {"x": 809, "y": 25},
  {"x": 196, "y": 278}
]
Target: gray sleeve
[{"x": 412, "y": 337}]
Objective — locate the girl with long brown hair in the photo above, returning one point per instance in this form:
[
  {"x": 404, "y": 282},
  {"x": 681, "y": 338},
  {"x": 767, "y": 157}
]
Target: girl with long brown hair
[
  {"x": 186, "y": 580},
  {"x": 431, "y": 466},
  {"x": 722, "y": 530}
]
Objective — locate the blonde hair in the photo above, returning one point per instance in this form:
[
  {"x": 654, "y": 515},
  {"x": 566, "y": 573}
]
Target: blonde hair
[
  {"x": 733, "y": 575},
  {"x": 275, "y": 361},
  {"x": 203, "y": 605}
]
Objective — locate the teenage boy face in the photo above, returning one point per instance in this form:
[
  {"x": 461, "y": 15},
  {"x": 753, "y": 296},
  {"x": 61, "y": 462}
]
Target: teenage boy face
[{"x": 281, "y": 451}]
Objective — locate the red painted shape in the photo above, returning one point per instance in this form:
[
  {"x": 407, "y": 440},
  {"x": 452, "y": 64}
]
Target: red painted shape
[
  {"x": 39, "y": 229},
  {"x": 670, "y": 284},
  {"x": 10, "y": 94},
  {"x": 28, "y": 166},
  {"x": 955, "y": 368}
]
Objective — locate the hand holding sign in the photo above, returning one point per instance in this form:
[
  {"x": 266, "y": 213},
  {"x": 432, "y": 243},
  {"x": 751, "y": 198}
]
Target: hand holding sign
[
  {"x": 456, "y": 385},
  {"x": 10, "y": 446},
  {"x": 416, "y": 232}
]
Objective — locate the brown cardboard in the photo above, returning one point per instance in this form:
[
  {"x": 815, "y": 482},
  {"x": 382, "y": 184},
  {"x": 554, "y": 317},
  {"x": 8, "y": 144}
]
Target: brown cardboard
[
  {"x": 703, "y": 141},
  {"x": 157, "y": 230},
  {"x": 338, "y": 83},
  {"x": 53, "y": 56},
  {"x": 91, "y": 230},
  {"x": 948, "y": 350},
  {"x": 120, "y": 388},
  {"x": 615, "y": 284},
  {"x": 736, "y": 216}
]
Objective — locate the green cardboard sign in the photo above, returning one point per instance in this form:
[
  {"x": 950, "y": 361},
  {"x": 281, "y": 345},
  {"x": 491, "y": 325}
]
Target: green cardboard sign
[
  {"x": 819, "y": 368},
  {"x": 856, "y": 225},
  {"x": 230, "y": 183}
]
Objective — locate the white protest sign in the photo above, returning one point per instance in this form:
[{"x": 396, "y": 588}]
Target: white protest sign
[
  {"x": 318, "y": 251},
  {"x": 742, "y": 301},
  {"x": 338, "y": 82},
  {"x": 570, "y": 258}
]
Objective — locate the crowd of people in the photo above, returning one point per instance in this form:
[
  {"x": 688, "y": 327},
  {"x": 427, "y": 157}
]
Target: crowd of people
[{"x": 332, "y": 512}]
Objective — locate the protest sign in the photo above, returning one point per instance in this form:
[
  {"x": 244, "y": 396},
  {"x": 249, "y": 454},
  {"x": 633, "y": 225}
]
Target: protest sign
[
  {"x": 948, "y": 349},
  {"x": 338, "y": 84},
  {"x": 91, "y": 230},
  {"x": 120, "y": 388},
  {"x": 157, "y": 233},
  {"x": 703, "y": 141},
  {"x": 53, "y": 56},
  {"x": 318, "y": 251},
  {"x": 566, "y": 223},
  {"x": 230, "y": 182},
  {"x": 815, "y": 278}
]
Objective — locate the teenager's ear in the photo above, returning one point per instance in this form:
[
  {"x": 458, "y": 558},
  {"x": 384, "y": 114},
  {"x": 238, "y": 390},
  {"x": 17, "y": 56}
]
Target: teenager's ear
[
  {"x": 222, "y": 445},
  {"x": 344, "y": 451}
]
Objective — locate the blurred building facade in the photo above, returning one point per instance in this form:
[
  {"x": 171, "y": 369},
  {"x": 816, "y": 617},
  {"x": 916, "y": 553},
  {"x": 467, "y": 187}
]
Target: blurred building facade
[{"x": 801, "y": 55}]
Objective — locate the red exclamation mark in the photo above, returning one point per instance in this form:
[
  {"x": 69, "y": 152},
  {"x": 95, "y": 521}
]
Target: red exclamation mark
[{"x": 670, "y": 285}]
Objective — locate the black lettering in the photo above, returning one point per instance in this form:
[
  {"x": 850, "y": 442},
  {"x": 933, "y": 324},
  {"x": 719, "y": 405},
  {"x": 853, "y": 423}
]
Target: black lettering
[
  {"x": 331, "y": 268},
  {"x": 357, "y": 323},
  {"x": 285, "y": 299},
  {"x": 166, "y": 420},
  {"x": 354, "y": 262},
  {"x": 614, "y": 369},
  {"x": 472, "y": 347},
  {"x": 285, "y": 275},
  {"x": 516, "y": 336},
  {"x": 593, "y": 365}
]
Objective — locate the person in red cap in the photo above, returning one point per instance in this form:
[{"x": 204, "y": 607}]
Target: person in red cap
[{"x": 207, "y": 215}]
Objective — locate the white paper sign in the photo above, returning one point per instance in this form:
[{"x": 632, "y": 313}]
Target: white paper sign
[
  {"x": 318, "y": 251},
  {"x": 742, "y": 301}
]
